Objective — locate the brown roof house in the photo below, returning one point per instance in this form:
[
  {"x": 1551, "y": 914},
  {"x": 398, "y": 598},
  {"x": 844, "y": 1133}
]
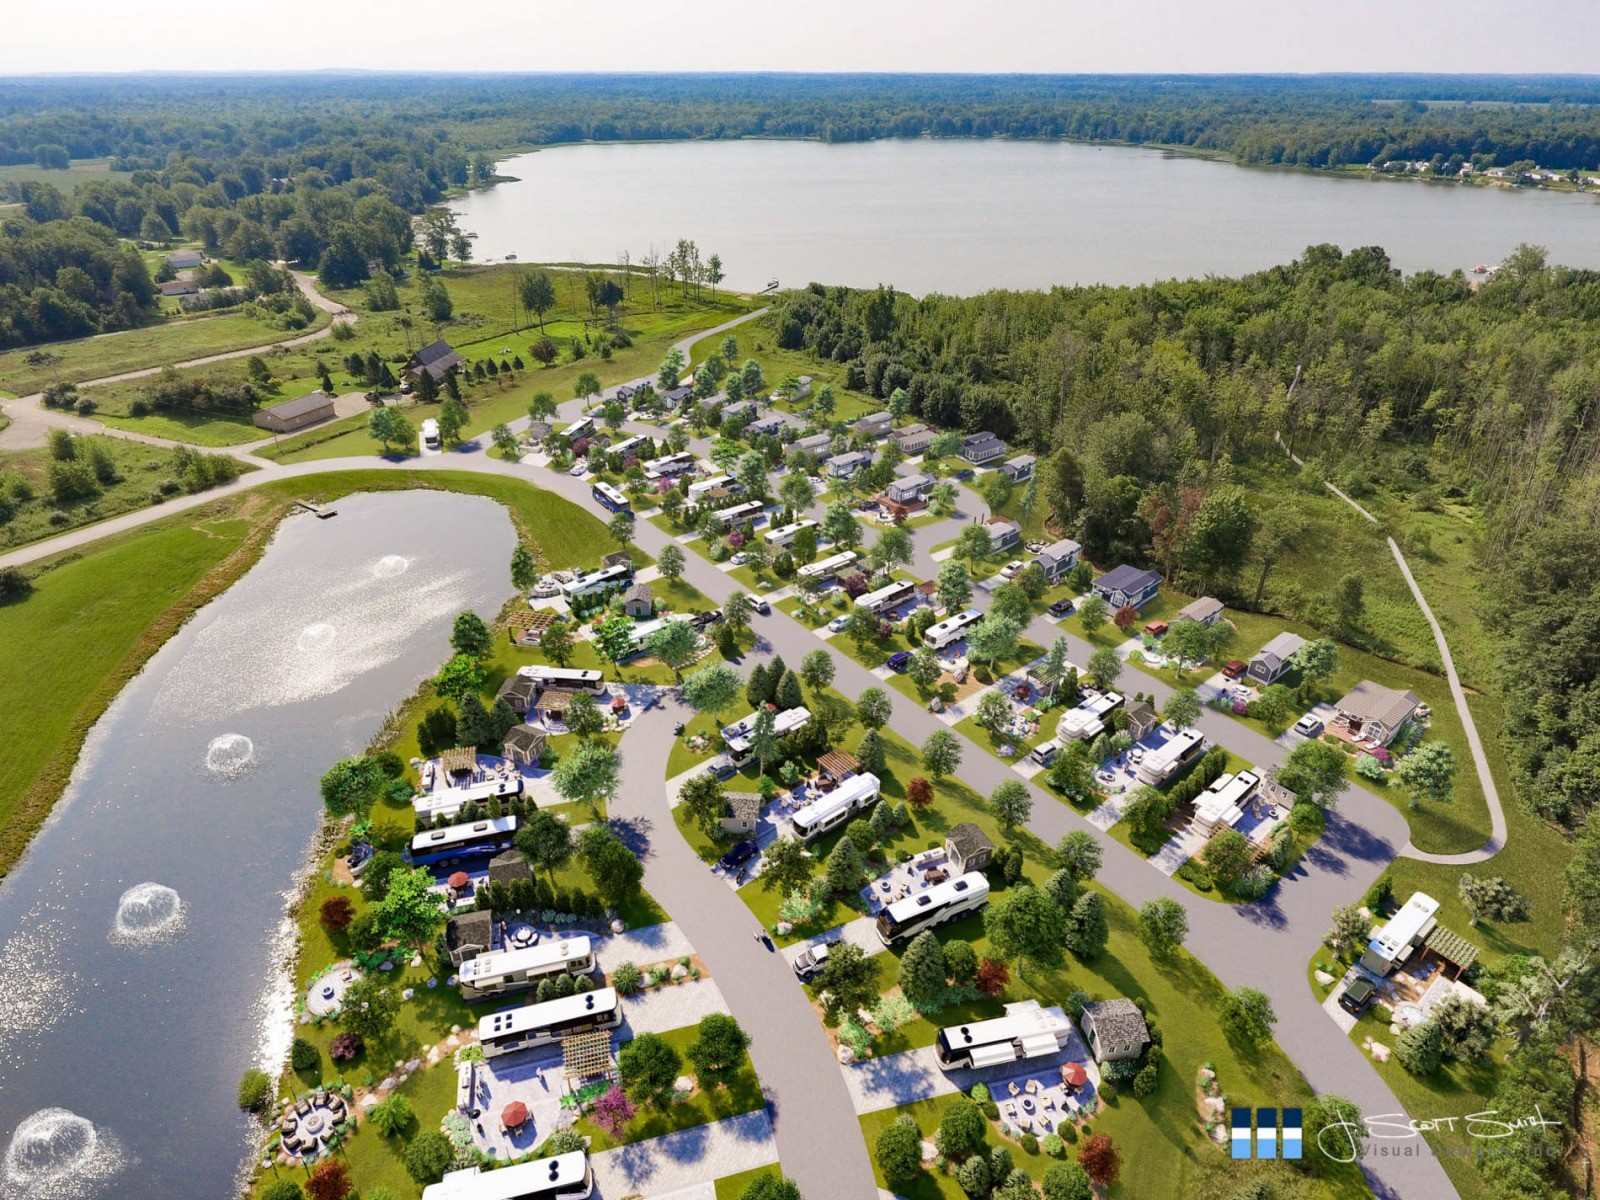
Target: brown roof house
[
  {"x": 508, "y": 867},
  {"x": 296, "y": 414},
  {"x": 1114, "y": 1029},
  {"x": 524, "y": 745},
  {"x": 1143, "y": 720},
  {"x": 1371, "y": 711},
  {"x": 639, "y": 601},
  {"x": 519, "y": 691},
  {"x": 968, "y": 848}
]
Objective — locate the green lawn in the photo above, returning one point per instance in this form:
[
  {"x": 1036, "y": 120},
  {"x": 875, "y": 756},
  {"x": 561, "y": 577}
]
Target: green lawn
[
  {"x": 741, "y": 1095},
  {"x": 731, "y": 1187},
  {"x": 80, "y": 172}
]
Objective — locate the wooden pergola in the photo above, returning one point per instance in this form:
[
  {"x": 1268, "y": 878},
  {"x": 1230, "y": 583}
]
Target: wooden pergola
[
  {"x": 463, "y": 760},
  {"x": 586, "y": 1055},
  {"x": 1451, "y": 948}
]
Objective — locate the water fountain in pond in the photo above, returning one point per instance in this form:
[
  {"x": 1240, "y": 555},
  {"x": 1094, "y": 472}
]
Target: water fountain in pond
[
  {"x": 230, "y": 755},
  {"x": 314, "y": 638},
  {"x": 147, "y": 913},
  {"x": 55, "y": 1154},
  {"x": 391, "y": 566}
]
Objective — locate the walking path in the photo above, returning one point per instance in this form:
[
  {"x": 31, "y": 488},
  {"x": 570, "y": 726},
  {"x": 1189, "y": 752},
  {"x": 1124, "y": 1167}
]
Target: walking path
[{"x": 687, "y": 1158}]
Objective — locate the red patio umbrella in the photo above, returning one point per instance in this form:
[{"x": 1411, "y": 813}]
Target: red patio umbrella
[
  {"x": 459, "y": 880},
  {"x": 1074, "y": 1074},
  {"x": 514, "y": 1114}
]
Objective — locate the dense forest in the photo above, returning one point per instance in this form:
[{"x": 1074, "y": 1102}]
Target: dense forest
[
  {"x": 1147, "y": 405},
  {"x": 342, "y": 123}
]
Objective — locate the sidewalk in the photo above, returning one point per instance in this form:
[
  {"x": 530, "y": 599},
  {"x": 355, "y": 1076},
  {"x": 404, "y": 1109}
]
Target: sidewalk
[{"x": 685, "y": 1159}]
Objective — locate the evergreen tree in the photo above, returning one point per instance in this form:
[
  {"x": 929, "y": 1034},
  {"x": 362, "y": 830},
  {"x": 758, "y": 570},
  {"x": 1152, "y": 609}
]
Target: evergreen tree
[
  {"x": 1087, "y": 929},
  {"x": 922, "y": 969},
  {"x": 871, "y": 754},
  {"x": 474, "y": 726}
]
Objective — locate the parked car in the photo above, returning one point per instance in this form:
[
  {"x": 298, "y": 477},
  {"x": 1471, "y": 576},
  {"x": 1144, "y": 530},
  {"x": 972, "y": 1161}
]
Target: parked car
[
  {"x": 702, "y": 620},
  {"x": 899, "y": 660},
  {"x": 740, "y": 559},
  {"x": 763, "y": 607},
  {"x": 964, "y": 474},
  {"x": 1234, "y": 669},
  {"x": 837, "y": 624},
  {"x": 741, "y": 853},
  {"x": 720, "y": 767},
  {"x": 1355, "y": 998},
  {"x": 1308, "y": 726},
  {"x": 811, "y": 960},
  {"x": 1156, "y": 628},
  {"x": 1063, "y": 608},
  {"x": 578, "y": 468},
  {"x": 1010, "y": 570}
]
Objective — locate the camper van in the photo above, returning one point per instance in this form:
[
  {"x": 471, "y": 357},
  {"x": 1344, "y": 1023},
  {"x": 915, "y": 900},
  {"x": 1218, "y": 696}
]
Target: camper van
[{"x": 430, "y": 434}]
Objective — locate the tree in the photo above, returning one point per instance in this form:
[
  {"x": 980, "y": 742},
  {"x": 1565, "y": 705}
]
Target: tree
[
  {"x": 893, "y": 548},
  {"x": 352, "y": 785},
  {"x": 613, "y": 638},
  {"x": 255, "y": 1089},
  {"x": 538, "y": 294},
  {"x": 1228, "y": 856},
  {"x": 720, "y": 1050},
  {"x": 941, "y": 753},
  {"x": 283, "y": 1189},
  {"x": 785, "y": 866},
  {"x": 328, "y": 1180},
  {"x": 1182, "y": 708},
  {"x": 1012, "y": 804},
  {"x": 874, "y": 708},
  {"x": 975, "y": 1179},
  {"x": 817, "y": 669},
  {"x": 1420, "y": 1049},
  {"x": 473, "y": 726},
  {"x": 961, "y": 1129},
  {"x": 585, "y": 387},
  {"x": 546, "y": 840},
  {"x": 924, "y": 668},
  {"x": 797, "y": 491},
  {"x": 712, "y": 689},
  {"x": 1087, "y": 930},
  {"x": 524, "y": 568},
  {"x": 615, "y": 869},
  {"x": 1317, "y": 660},
  {"x": 1247, "y": 1015},
  {"x": 919, "y": 793},
  {"x": 923, "y": 973},
  {"x": 1349, "y": 601},
  {"x": 1092, "y": 614},
  {"x": 613, "y": 1110},
  {"x": 1163, "y": 924},
  {"x": 1079, "y": 854},
  {"x": 1027, "y": 926},
  {"x": 1315, "y": 772},
  {"x": 972, "y": 545},
  {"x": 1100, "y": 1159},
  {"x": 428, "y": 1156},
  {"x": 368, "y": 1009},
  {"x": 899, "y": 1155},
  {"x": 621, "y": 527},
  {"x": 671, "y": 561},
  {"x": 1279, "y": 533},
  {"x": 1147, "y": 811},
  {"x": 955, "y": 586},
  {"x": 387, "y": 425},
  {"x": 1428, "y": 772},
  {"x": 1105, "y": 666},
  {"x": 848, "y": 981},
  {"x": 648, "y": 1068},
  {"x": 557, "y": 642},
  {"x": 738, "y": 610},
  {"x": 409, "y": 911},
  {"x": 993, "y": 638},
  {"x": 1467, "y": 1029},
  {"x": 452, "y": 418},
  {"x": 993, "y": 713},
  {"x": 764, "y": 738},
  {"x": 470, "y": 636},
  {"x": 1492, "y": 898},
  {"x": 844, "y": 871},
  {"x": 1066, "y": 1181},
  {"x": 1349, "y": 928},
  {"x": 673, "y": 644},
  {"x": 672, "y": 365},
  {"x": 587, "y": 773},
  {"x": 1219, "y": 534},
  {"x": 391, "y": 1116}
]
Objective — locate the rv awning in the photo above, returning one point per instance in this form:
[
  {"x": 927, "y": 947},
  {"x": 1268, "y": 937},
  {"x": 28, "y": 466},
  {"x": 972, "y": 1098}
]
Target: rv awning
[
  {"x": 1037, "y": 1045},
  {"x": 993, "y": 1056}
]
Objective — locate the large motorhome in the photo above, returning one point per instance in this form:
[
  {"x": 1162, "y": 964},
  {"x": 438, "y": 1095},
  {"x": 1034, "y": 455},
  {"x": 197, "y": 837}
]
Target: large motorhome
[
  {"x": 1028, "y": 1030},
  {"x": 891, "y": 595},
  {"x": 610, "y": 498},
  {"x": 1222, "y": 802},
  {"x": 561, "y": 1177},
  {"x": 737, "y": 736},
  {"x": 448, "y": 802},
  {"x": 1090, "y": 719},
  {"x": 546, "y": 1024},
  {"x": 1162, "y": 763},
  {"x": 904, "y": 919},
  {"x": 521, "y": 968},
  {"x": 668, "y": 465},
  {"x": 785, "y": 535},
  {"x": 738, "y": 514},
  {"x": 1401, "y": 934},
  {"x": 595, "y": 581},
  {"x": 710, "y": 484},
  {"x": 831, "y": 809},
  {"x": 574, "y": 679},
  {"x": 825, "y": 569},
  {"x": 489, "y": 836},
  {"x": 951, "y": 629}
]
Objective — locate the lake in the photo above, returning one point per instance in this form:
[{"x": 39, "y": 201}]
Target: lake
[
  {"x": 142, "y": 937},
  {"x": 963, "y": 216}
]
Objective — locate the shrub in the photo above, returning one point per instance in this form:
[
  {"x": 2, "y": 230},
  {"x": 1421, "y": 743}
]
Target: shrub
[
  {"x": 303, "y": 1056},
  {"x": 899, "y": 1154},
  {"x": 979, "y": 1093},
  {"x": 961, "y": 1129},
  {"x": 283, "y": 1189},
  {"x": 1030, "y": 1144},
  {"x": 428, "y": 1156},
  {"x": 330, "y": 1180},
  {"x": 961, "y": 960},
  {"x": 344, "y": 1047},
  {"x": 336, "y": 912},
  {"x": 255, "y": 1088},
  {"x": 1052, "y": 1145},
  {"x": 562, "y": 1141},
  {"x": 1144, "y": 1083}
]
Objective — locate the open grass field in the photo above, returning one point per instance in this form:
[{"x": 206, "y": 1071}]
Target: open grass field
[
  {"x": 97, "y": 614},
  {"x": 82, "y": 171}
]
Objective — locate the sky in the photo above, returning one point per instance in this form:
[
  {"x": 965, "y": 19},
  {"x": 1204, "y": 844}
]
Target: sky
[{"x": 1501, "y": 36}]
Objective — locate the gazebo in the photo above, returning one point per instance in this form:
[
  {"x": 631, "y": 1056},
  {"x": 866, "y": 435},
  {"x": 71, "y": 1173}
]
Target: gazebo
[{"x": 463, "y": 760}]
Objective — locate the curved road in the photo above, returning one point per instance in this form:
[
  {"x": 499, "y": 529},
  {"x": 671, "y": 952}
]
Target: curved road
[{"x": 1266, "y": 944}]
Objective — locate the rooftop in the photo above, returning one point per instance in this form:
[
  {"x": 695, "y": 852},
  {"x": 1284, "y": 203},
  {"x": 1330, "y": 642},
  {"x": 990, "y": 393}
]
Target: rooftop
[
  {"x": 1118, "y": 1020},
  {"x": 968, "y": 839},
  {"x": 300, "y": 405},
  {"x": 1373, "y": 702}
]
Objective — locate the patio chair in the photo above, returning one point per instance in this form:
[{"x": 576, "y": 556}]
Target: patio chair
[
  {"x": 1013, "y": 1089},
  {"x": 1032, "y": 1085}
]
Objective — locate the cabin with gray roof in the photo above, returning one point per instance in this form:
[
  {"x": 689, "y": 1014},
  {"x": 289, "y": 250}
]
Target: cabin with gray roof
[
  {"x": 296, "y": 414},
  {"x": 1114, "y": 1029},
  {"x": 968, "y": 848},
  {"x": 437, "y": 359}
]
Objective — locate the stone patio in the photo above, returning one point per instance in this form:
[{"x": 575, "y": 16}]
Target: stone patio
[{"x": 325, "y": 996}]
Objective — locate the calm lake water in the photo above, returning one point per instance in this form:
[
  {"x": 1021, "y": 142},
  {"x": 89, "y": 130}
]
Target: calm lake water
[
  {"x": 129, "y": 1034},
  {"x": 964, "y": 216}
]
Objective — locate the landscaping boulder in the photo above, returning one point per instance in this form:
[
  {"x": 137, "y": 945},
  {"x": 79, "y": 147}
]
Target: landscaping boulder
[
  {"x": 1380, "y": 1052},
  {"x": 1324, "y": 978},
  {"x": 846, "y": 1055}
]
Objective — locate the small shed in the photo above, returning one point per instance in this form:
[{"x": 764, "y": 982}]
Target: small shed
[
  {"x": 469, "y": 935},
  {"x": 1114, "y": 1029},
  {"x": 741, "y": 811},
  {"x": 519, "y": 692},
  {"x": 1143, "y": 720},
  {"x": 297, "y": 413},
  {"x": 639, "y": 601},
  {"x": 524, "y": 745},
  {"x": 968, "y": 848}
]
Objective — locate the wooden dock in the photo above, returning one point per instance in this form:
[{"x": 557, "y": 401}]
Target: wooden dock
[{"x": 321, "y": 512}]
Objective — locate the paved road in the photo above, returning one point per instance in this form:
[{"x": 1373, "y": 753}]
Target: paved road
[{"x": 1265, "y": 944}]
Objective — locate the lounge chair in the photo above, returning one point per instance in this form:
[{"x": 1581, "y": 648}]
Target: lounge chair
[{"x": 1013, "y": 1089}]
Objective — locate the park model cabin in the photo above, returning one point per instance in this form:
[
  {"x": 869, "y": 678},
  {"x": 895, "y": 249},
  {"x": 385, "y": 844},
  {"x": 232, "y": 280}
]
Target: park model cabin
[
  {"x": 1090, "y": 719},
  {"x": 519, "y": 969},
  {"x": 904, "y": 919},
  {"x": 784, "y": 535},
  {"x": 1222, "y": 802},
  {"x": 668, "y": 465},
  {"x": 454, "y": 842},
  {"x": 738, "y": 514},
  {"x": 951, "y": 629},
  {"x": 737, "y": 736},
  {"x": 1026, "y": 1031},
  {"x": 826, "y": 568},
  {"x": 832, "y": 809},
  {"x": 1401, "y": 934},
  {"x": 611, "y": 498},
  {"x": 448, "y": 802},
  {"x": 701, "y": 487},
  {"x": 581, "y": 428},
  {"x": 889, "y": 596},
  {"x": 571, "y": 678},
  {"x": 563, "y": 1177},
  {"x": 546, "y": 1024},
  {"x": 1167, "y": 759},
  {"x": 595, "y": 581}
]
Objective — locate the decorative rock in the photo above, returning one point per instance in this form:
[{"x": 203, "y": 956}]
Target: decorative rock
[
  {"x": 386, "y": 1085},
  {"x": 1213, "y": 1105},
  {"x": 408, "y": 993},
  {"x": 454, "y": 1028},
  {"x": 416, "y": 960},
  {"x": 680, "y": 972},
  {"x": 783, "y": 928},
  {"x": 929, "y": 1151},
  {"x": 1324, "y": 978},
  {"x": 305, "y": 1018},
  {"x": 386, "y": 966},
  {"x": 433, "y": 983},
  {"x": 683, "y": 1085},
  {"x": 1207, "y": 1074},
  {"x": 369, "y": 1101},
  {"x": 1380, "y": 1052},
  {"x": 846, "y": 1055},
  {"x": 413, "y": 1065}
]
